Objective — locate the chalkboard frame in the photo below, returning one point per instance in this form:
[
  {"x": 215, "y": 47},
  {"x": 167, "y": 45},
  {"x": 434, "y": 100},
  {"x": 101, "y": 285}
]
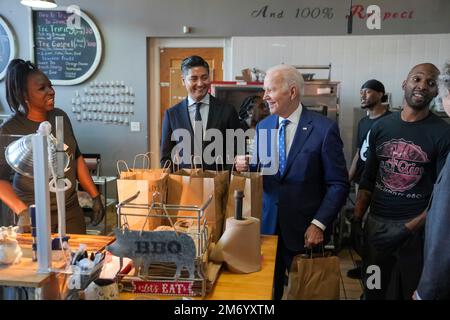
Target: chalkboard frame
[
  {"x": 98, "y": 39},
  {"x": 12, "y": 43}
]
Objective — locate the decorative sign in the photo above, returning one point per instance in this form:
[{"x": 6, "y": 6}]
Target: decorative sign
[
  {"x": 148, "y": 247},
  {"x": 7, "y": 47},
  {"x": 67, "y": 44},
  {"x": 178, "y": 288}
]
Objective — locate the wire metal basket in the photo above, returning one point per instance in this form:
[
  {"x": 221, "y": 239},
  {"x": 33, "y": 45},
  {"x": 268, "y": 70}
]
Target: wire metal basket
[{"x": 158, "y": 276}]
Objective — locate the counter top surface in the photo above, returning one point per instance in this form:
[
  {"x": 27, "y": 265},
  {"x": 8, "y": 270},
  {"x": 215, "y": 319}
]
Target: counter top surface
[
  {"x": 251, "y": 286},
  {"x": 228, "y": 286},
  {"x": 24, "y": 274}
]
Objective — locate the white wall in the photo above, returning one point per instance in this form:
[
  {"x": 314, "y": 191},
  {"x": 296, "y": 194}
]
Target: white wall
[{"x": 354, "y": 60}]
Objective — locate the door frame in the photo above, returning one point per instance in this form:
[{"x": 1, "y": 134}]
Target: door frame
[{"x": 154, "y": 44}]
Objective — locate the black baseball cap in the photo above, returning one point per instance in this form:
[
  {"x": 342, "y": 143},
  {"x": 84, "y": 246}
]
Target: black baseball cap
[{"x": 374, "y": 85}]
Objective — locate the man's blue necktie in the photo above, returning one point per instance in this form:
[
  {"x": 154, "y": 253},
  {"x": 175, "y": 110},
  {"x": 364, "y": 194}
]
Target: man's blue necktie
[{"x": 282, "y": 145}]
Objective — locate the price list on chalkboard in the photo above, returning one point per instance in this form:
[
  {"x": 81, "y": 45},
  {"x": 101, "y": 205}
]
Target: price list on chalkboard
[{"x": 67, "y": 52}]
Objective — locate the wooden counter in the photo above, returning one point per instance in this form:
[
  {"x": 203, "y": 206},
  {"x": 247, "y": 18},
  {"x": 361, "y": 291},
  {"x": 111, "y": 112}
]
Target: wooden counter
[
  {"x": 229, "y": 286},
  {"x": 93, "y": 243},
  {"x": 232, "y": 286},
  {"x": 252, "y": 286},
  {"x": 24, "y": 274}
]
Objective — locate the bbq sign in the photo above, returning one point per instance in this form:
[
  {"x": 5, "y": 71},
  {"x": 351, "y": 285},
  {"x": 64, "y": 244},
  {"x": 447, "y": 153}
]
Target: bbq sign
[{"x": 148, "y": 247}]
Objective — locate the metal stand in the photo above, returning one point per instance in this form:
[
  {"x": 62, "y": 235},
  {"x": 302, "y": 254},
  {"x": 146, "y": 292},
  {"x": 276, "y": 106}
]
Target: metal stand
[
  {"x": 42, "y": 199},
  {"x": 168, "y": 211}
]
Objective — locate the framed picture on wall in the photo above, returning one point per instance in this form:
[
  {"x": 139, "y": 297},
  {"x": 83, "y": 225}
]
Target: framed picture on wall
[
  {"x": 66, "y": 44},
  {"x": 7, "y": 46}
]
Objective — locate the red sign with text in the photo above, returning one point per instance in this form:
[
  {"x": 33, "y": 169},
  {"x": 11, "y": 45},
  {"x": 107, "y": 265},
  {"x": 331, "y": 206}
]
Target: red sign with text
[{"x": 179, "y": 288}]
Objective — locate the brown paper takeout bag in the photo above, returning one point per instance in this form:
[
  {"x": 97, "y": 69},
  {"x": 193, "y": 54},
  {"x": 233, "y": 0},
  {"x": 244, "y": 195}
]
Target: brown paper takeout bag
[
  {"x": 152, "y": 186},
  {"x": 314, "y": 278},
  {"x": 193, "y": 187},
  {"x": 251, "y": 183}
]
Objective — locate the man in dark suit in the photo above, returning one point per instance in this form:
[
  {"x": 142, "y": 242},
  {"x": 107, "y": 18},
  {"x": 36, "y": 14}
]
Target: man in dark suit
[
  {"x": 185, "y": 125},
  {"x": 309, "y": 185}
]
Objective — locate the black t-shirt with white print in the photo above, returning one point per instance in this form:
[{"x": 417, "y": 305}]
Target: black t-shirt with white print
[
  {"x": 364, "y": 126},
  {"x": 403, "y": 162}
]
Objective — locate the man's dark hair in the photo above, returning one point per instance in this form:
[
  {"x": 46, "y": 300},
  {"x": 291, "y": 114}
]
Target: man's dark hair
[
  {"x": 191, "y": 62},
  {"x": 16, "y": 83},
  {"x": 260, "y": 111}
]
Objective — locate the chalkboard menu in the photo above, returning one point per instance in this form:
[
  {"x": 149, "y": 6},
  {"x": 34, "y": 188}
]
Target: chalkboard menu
[
  {"x": 7, "y": 47},
  {"x": 67, "y": 45}
]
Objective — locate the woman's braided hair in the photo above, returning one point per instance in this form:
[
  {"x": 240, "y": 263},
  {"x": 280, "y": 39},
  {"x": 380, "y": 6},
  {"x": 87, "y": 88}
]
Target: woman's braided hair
[{"x": 16, "y": 84}]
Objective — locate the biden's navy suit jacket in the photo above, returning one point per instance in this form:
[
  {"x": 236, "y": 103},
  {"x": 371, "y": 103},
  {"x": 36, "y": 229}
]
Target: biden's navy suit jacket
[{"x": 314, "y": 184}]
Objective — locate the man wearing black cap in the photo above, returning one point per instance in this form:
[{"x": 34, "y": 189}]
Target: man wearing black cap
[
  {"x": 406, "y": 153},
  {"x": 372, "y": 98}
]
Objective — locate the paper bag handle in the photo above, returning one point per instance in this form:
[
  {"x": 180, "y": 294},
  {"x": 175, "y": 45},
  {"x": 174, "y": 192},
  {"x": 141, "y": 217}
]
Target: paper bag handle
[
  {"x": 258, "y": 167},
  {"x": 217, "y": 164},
  {"x": 166, "y": 165},
  {"x": 150, "y": 154},
  {"x": 144, "y": 156},
  {"x": 118, "y": 168},
  {"x": 175, "y": 162},
  {"x": 193, "y": 162},
  {"x": 201, "y": 163},
  {"x": 311, "y": 251}
]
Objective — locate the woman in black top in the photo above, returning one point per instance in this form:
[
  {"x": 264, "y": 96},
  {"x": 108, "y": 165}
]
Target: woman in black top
[{"x": 31, "y": 97}]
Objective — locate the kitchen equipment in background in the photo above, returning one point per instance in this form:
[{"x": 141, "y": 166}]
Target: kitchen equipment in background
[
  {"x": 323, "y": 96},
  {"x": 319, "y": 95},
  {"x": 308, "y": 76},
  {"x": 93, "y": 163},
  {"x": 234, "y": 93}
]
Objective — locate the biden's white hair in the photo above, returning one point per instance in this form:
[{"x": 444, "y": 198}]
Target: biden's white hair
[
  {"x": 444, "y": 77},
  {"x": 291, "y": 76}
]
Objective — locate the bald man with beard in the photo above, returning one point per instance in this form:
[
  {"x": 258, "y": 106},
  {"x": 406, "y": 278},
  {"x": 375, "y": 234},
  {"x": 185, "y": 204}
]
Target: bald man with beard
[{"x": 407, "y": 150}]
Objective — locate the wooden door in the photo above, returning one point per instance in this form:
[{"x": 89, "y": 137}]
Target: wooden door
[{"x": 172, "y": 89}]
